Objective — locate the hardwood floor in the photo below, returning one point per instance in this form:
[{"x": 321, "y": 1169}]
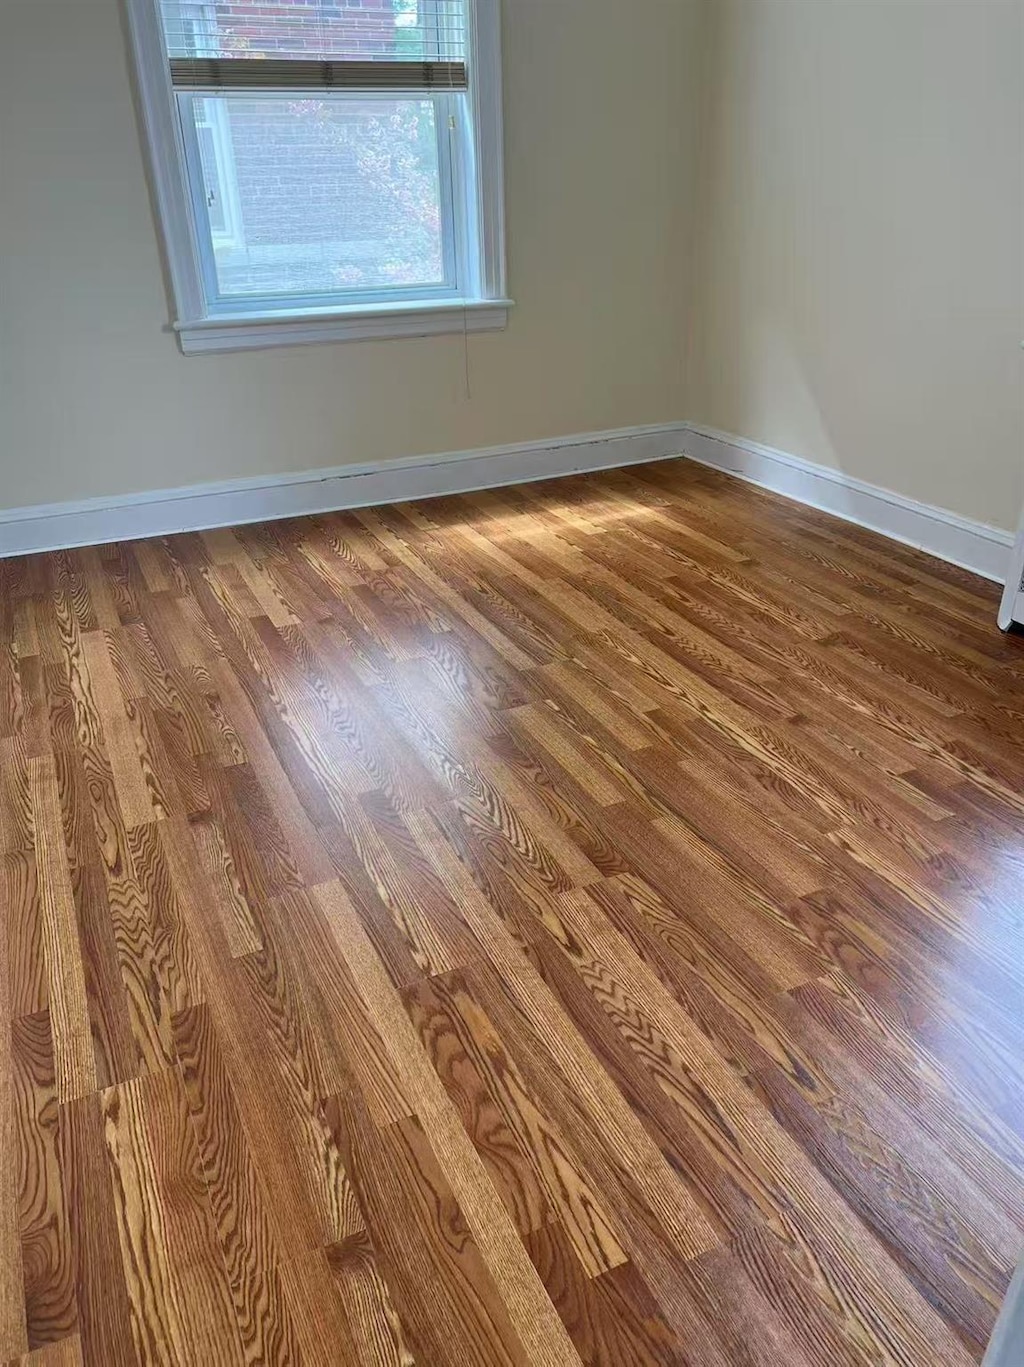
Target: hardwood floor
[{"x": 579, "y": 922}]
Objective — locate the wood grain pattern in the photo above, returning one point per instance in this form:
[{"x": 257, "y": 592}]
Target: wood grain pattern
[
  {"x": 45, "y": 1237},
  {"x": 577, "y": 923},
  {"x": 74, "y": 1061}
]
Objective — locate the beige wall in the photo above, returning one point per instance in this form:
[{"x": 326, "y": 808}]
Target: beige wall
[
  {"x": 95, "y": 398},
  {"x": 853, "y": 235},
  {"x": 861, "y": 265}
]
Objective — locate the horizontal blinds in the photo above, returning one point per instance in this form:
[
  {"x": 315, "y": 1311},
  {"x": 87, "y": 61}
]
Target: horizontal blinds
[
  {"x": 282, "y": 44},
  {"x": 202, "y": 73}
]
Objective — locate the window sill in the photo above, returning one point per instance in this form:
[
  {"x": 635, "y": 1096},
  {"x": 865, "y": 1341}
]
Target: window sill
[{"x": 359, "y": 322}]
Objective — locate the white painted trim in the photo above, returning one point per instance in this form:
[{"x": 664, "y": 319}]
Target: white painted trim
[
  {"x": 361, "y": 322},
  {"x": 165, "y": 156},
  {"x": 486, "y": 149},
  {"x": 55, "y": 526},
  {"x": 972, "y": 545},
  {"x": 201, "y": 329}
]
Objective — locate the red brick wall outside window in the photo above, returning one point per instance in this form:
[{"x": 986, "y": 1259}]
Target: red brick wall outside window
[
  {"x": 368, "y": 27},
  {"x": 327, "y": 193}
]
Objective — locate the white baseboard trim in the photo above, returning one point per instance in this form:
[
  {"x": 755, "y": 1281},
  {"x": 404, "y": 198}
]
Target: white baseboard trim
[
  {"x": 971, "y": 545},
  {"x": 57, "y": 526},
  {"x": 89, "y": 522}
]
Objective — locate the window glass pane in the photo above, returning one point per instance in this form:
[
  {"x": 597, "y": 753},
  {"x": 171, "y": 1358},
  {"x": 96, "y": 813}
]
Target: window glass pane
[{"x": 326, "y": 194}]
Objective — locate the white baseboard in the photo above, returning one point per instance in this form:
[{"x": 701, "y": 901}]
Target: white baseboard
[
  {"x": 57, "y": 526},
  {"x": 972, "y": 545}
]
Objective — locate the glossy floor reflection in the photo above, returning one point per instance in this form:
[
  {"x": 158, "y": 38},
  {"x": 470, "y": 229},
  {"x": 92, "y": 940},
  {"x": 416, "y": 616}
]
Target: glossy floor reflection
[{"x": 577, "y": 922}]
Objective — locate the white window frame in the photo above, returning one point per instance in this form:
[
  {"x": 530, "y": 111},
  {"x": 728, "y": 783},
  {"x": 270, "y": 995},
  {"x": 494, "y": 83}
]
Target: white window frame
[
  {"x": 223, "y": 155},
  {"x": 479, "y": 151},
  {"x": 216, "y": 121}
]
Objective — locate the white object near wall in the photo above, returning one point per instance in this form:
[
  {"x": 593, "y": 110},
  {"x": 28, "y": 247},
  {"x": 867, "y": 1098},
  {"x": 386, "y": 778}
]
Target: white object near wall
[
  {"x": 1007, "y": 1346},
  {"x": 1012, "y": 607}
]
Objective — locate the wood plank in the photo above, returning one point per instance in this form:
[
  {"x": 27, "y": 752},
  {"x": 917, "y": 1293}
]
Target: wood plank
[
  {"x": 375, "y": 1324},
  {"x": 104, "y": 1313},
  {"x": 74, "y": 1062},
  {"x": 46, "y": 1250},
  {"x": 13, "y": 1317},
  {"x": 239, "y": 1203},
  {"x": 177, "y": 1283}
]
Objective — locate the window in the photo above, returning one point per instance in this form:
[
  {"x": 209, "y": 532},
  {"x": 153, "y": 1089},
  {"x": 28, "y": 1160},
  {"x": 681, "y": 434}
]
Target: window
[{"x": 325, "y": 169}]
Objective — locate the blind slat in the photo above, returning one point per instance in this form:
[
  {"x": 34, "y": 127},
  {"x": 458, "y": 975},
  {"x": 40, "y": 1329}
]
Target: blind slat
[
  {"x": 368, "y": 31},
  {"x": 204, "y": 73}
]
